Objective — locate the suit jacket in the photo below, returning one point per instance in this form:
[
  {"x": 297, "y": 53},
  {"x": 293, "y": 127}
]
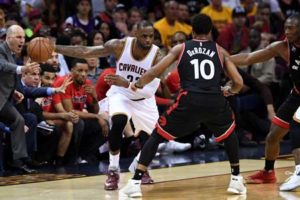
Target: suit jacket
[
  {"x": 30, "y": 93},
  {"x": 7, "y": 74}
]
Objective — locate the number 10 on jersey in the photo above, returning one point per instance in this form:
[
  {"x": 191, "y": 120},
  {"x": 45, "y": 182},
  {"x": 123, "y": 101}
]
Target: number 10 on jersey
[{"x": 199, "y": 70}]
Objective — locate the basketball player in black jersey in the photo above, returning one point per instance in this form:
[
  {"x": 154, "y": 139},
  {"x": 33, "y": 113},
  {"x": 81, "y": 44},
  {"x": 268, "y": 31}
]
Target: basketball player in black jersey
[
  {"x": 201, "y": 63},
  {"x": 289, "y": 50}
]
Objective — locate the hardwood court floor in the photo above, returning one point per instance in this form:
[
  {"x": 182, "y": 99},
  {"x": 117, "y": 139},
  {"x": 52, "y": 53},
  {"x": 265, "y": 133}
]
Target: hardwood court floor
[{"x": 199, "y": 181}]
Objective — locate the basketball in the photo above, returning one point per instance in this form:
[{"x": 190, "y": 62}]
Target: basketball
[{"x": 39, "y": 49}]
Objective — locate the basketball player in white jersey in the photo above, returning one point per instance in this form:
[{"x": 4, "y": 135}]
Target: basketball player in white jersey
[{"x": 134, "y": 55}]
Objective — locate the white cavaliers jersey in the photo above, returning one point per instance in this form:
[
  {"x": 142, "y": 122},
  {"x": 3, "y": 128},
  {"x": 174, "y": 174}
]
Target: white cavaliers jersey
[{"x": 132, "y": 69}]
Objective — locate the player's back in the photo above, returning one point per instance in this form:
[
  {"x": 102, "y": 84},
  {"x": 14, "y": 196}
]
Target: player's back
[{"x": 200, "y": 68}]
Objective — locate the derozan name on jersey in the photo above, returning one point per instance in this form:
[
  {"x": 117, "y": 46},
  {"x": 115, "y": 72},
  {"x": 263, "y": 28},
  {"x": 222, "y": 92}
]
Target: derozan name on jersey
[
  {"x": 200, "y": 50},
  {"x": 131, "y": 68}
]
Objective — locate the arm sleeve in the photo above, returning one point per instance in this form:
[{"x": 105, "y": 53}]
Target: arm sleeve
[{"x": 32, "y": 92}]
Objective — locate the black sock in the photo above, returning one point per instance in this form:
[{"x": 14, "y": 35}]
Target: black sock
[
  {"x": 59, "y": 160},
  {"x": 138, "y": 174},
  {"x": 235, "y": 170},
  {"x": 269, "y": 165}
]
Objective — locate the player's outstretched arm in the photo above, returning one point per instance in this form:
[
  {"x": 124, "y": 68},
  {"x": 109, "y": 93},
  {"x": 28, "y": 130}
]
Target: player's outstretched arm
[
  {"x": 110, "y": 47},
  {"x": 160, "y": 67},
  {"x": 233, "y": 74},
  {"x": 262, "y": 55}
]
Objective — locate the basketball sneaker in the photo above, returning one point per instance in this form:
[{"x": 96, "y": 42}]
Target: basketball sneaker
[
  {"x": 292, "y": 182},
  {"x": 262, "y": 176},
  {"x": 131, "y": 189},
  {"x": 113, "y": 177},
  {"x": 236, "y": 185},
  {"x": 289, "y": 195},
  {"x": 173, "y": 146},
  {"x": 146, "y": 179}
]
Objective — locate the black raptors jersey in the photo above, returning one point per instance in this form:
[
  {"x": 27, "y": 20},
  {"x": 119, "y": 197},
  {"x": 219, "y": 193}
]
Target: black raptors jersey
[
  {"x": 200, "y": 68},
  {"x": 294, "y": 66}
]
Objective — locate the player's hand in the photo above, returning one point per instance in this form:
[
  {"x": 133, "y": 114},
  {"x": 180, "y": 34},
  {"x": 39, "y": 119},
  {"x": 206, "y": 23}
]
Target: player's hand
[
  {"x": 31, "y": 67},
  {"x": 132, "y": 87},
  {"x": 63, "y": 87},
  {"x": 113, "y": 79},
  {"x": 104, "y": 125},
  {"x": 90, "y": 89},
  {"x": 227, "y": 91},
  {"x": 18, "y": 96},
  {"x": 71, "y": 116}
]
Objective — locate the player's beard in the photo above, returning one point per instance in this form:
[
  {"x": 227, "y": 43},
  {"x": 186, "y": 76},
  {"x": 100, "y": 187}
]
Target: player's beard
[{"x": 141, "y": 46}]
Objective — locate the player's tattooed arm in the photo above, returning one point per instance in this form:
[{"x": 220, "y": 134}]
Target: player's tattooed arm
[{"x": 110, "y": 47}]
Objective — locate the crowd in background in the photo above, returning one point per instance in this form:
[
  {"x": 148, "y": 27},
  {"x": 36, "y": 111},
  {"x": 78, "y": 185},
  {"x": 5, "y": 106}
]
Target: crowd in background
[{"x": 73, "y": 137}]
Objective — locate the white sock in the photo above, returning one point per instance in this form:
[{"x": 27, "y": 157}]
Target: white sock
[
  {"x": 114, "y": 161},
  {"x": 138, "y": 156}
]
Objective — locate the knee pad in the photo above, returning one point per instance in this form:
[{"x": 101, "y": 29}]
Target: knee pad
[{"x": 115, "y": 134}]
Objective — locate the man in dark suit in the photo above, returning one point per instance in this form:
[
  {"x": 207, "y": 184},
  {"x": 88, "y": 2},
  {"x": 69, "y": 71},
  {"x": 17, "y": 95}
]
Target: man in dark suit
[{"x": 15, "y": 39}]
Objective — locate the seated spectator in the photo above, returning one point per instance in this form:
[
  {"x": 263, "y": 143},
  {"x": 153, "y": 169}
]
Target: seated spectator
[
  {"x": 235, "y": 36},
  {"x": 58, "y": 62},
  {"x": 106, "y": 16},
  {"x": 68, "y": 122},
  {"x": 81, "y": 98},
  {"x": 264, "y": 71},
  {"x": 184, "y": 16},
  {"x": 265, "y": 21},
  {"x": 120, "y": 20},
  {"x": 135, "y": 16},
  {"x": 96, "y": 38},
  {"x": 219, "y": 14},
  {"x": 94, "y": 69},
  {"x": 250, "y": 7},
  {"x": 83, "y": 18},
  {"x": 169, "y": 25}
]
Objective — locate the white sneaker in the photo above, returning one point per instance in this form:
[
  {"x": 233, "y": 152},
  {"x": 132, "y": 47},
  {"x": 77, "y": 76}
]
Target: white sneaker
[
  {"x": 161, "y": 147},
  {"x": 131, "y": 189},
  {"x": 236, "y": 185},
  {"x": 289, "y": 195},
  {"x": 173, "y": 146},
  {"x": 292, "y": 182},
  {"x": 133, "y": 165}
]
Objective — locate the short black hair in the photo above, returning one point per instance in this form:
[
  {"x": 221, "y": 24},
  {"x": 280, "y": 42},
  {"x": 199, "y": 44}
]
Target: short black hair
[
  {"x": 91, "y": 36},
  {"x": 45, "y": 67},
  {"x": 295, "y": 16},
  {"x": 201, "y": 24},
  {"x": 77, "y": 60},
  {"x": 263, "y": 5},
  {"x": 144, "y": 23}
]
